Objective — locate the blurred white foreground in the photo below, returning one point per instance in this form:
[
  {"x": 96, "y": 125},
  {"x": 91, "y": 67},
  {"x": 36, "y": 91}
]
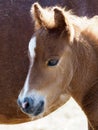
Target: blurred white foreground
[{"x": 67, "y": 117}]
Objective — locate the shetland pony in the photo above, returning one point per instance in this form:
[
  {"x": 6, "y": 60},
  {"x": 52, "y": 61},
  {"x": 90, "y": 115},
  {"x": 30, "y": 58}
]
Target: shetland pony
[
  {"x": 16, "y": 29},
  {"x": 63, "y": 55}
]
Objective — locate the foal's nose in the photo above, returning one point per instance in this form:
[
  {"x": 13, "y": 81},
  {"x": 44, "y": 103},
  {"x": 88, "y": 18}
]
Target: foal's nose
[{"x": 30, "y": 106}]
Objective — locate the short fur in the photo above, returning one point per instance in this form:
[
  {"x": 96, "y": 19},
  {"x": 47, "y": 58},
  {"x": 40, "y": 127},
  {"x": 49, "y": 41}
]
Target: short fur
[
  {"x": 73, "y": 40},
  {"x": 16, "y": 29}
]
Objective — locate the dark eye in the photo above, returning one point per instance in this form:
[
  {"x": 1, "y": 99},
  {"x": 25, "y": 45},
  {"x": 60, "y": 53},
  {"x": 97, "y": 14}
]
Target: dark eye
[{"x": 52, "y": 62}]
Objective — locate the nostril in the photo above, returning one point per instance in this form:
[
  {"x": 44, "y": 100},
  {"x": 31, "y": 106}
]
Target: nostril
[
  {"x": 39, "y": 108},
  {"x": 25, "y": 105},
  {"x": 41, "y": 103}
]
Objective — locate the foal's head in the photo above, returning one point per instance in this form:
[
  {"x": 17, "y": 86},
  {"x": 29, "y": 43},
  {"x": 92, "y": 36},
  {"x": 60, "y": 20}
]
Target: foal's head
[{"x": 51, "y": 67}]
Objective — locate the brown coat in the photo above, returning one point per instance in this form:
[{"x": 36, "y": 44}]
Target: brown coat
[{"x": 15, "y": 31}]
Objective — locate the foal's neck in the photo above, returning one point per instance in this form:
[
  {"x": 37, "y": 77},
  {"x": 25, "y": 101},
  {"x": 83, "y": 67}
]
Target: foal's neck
[
  {"x": 84, "y": 85},
  {"x": 85, "y": 69}
]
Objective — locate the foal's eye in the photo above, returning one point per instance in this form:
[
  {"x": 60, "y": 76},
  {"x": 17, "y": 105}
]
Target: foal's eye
[{"x": 52, "y": 62}]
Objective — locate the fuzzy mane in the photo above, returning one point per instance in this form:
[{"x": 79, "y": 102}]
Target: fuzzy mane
[
  {"x": 54, "y": 17},
  {"x": 47, "y": 15}
]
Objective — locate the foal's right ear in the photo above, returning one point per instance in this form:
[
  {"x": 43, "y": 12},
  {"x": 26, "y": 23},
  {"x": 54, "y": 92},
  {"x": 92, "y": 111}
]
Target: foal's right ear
[
  {"x": 40, "y": 16},
  {"x": 36, "y": 11}
]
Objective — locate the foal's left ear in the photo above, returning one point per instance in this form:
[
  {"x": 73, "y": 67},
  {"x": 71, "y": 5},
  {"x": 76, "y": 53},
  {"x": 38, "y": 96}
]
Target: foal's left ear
[
  {"x": 63, "y": 23},
  {"x": 59, "y": 19}
]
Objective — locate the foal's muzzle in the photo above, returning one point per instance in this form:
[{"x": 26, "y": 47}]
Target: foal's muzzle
[{"x": 30, "y": 106}]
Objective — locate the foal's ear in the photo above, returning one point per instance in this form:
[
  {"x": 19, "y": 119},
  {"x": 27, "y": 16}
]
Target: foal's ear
[
  {"x": 36, "y": 11},
  {"x": 59, "y": 19},
  {"x": 42, "y": 17},
  {"x": 63, "y": 23}
]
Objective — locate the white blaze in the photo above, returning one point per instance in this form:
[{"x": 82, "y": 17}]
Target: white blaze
[{"x": 31, "y": 47}]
